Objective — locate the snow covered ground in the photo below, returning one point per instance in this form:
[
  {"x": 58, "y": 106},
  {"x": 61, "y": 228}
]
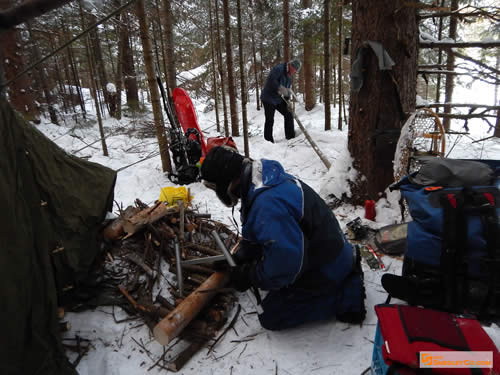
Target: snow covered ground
[{"x": 328, "y": 347}]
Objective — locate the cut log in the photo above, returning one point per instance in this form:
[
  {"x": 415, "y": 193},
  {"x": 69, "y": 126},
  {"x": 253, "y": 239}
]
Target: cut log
[
  {"x": 168, "y": 328},
  {"x": 114, "y": 230},
  {"x": 147, "y": 216}
]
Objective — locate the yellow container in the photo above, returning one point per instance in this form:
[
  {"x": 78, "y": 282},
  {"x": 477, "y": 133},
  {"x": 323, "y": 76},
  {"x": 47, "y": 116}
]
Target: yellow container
[{"x": 171, "y": 195}]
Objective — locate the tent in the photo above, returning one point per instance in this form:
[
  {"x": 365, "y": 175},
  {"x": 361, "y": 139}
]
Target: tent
[{"x": 53, "y": 206}]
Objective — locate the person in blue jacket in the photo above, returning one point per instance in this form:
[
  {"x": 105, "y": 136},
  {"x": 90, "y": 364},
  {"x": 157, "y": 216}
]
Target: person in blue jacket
[
  {"x": 292, "y": 245},
  {"x": 278, "y": 84}
]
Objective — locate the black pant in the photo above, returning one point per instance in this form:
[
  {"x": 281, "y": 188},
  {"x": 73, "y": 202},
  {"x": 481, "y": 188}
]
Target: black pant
[{"x": 268, "y": 125}]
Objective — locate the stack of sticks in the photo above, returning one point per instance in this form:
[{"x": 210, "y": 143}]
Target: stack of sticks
[{"x": 149, "y": 245}]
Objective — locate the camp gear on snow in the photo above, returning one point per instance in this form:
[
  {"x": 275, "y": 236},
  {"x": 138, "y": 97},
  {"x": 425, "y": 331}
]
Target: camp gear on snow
[
  {"x": 403, "y": 332},
  {"x": 185, "y": 137},
  {"x": 221, "y": 166},
  {"x": 356, "y": 230},
  {"x": 453, "y": 249},
  {"x": 391, "y": 239},
  {"x": 52, "y": 212},
  {"x": 371, "y": 257},
  {"x": 171, "y": 195},
  {"x": 220, "y": 141},
  {"x": 370, "y": 212}
]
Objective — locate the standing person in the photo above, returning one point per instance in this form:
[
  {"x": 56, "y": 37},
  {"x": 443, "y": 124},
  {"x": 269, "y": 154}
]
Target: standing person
[
  {"x": 278, "y": 84},
  {"x": 292, "y": 244}
]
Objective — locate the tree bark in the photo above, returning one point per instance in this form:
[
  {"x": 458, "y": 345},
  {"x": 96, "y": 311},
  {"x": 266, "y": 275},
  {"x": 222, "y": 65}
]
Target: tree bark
[
  {"x": 153, "y": 88},
  {"x": 450, "y": 65},
  {"x": 242, "y": 82},
  {"x": 309, "y": 89},
  {"x": 235, "y": 131},
  {"x": 255, "y": 67},
  {"x": 286, "y": 31},
  {"x": 221, "y": 70},
  {"x": 21, "y": 94},
  {"x": 379, "y": 109},
  {"x": 215, "y": 87},
  {"x": 326, "y": 62},
  {"x": 340, "y": 67},
  {"x": 128, "y": 68},
  {"x": 169, "y": 41}
]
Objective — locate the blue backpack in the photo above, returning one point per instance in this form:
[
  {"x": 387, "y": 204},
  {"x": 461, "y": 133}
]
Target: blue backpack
[{"x": 453, "y": 243}]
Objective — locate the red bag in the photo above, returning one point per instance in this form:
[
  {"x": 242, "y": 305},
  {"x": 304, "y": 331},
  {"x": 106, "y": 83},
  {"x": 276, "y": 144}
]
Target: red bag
[
  {"x": 409, "y": 330},
  {"x": 220, "y": 141}
]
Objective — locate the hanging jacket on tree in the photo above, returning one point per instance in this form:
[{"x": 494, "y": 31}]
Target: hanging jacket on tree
[{"x": 277, "y": 77}]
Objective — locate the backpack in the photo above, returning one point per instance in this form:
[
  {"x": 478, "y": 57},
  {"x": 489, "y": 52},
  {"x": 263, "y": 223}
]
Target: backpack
[{"x": 453, "y": 242}]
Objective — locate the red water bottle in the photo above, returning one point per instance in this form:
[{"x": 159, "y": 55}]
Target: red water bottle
[{"x": 370, "y": 210}]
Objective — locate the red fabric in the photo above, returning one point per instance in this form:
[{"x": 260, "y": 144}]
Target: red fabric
[
  {"x": 398, "y": 348},
  {"x": 220, "y": 141}
]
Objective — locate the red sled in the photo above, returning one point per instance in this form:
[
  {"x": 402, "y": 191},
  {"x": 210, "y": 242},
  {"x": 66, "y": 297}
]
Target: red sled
[
  {"x": 187, "y": 117},
  {"x": 407, "y": 331}
]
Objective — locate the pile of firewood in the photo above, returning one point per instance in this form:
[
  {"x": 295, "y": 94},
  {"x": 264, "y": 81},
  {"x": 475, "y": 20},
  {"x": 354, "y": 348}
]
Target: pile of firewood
[{"x": 148, "y": 246}]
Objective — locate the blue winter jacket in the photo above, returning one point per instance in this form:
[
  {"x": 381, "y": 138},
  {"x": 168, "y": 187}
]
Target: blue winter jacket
[
  {"x": 277, "y": 77},
  {"x": 301, "y": 240}
]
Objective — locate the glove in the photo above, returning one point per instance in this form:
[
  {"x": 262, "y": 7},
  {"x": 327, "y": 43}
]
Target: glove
[
  {"x": 247, "y": 251},
  {"x": 239, "y": 277},
  {"x": 283, "y": 91}
]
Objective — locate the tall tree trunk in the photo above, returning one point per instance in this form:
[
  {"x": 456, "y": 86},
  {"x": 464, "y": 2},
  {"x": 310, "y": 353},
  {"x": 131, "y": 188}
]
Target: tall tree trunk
[
  {"x": 378, "y": 110},
  {"x": 153, "y": 88},
  {"x": 340, "y": 80},
  {"x": 43, "y": 78},
  {"x": 215, "y": 87},
  {"x": 255, "y": 67},
  {"x": 326, "y": 62},
  {"x": 242, "y": 82},
  {"x": 440, "y": 57},
  {"x": 21, "y": 94},
  {"x": 99, "y": 61},
  {"x": 230, "y": 78},
  {"x": 450, "y": 65},
  {"x": 286, "y": 31},
  {"x": 309, "y": 90},
  {"x": 128, "y": 68},
  {"x": 221, "y": 70},
  {"x": 169, "y": 41},
  {"x": 93, "y": 85}
]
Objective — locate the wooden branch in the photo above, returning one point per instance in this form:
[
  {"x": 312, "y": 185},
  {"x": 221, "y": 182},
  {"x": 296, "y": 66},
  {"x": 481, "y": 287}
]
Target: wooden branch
[
  {"x": 147, "y": 216},
  {"x": 134, "y": 258},
  {"x": 480, "y": 63},
  {"x": 27, "y": 10},
  {"x": 463, "y": 117},
  {"x": 459, "y": 105},
  {"x": 459, "y": 44},
  {"x": 202, "y": 249},
  {"x": 450, "y": 72},
  {"x": 186, "y": 355},
  {"x": 178, "y": 319},
  {"x": 476, "y": 13}
]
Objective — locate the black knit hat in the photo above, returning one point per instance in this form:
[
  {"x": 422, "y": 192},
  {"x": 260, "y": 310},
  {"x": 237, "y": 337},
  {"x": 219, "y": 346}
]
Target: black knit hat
[{"x": 221, "y": 166}]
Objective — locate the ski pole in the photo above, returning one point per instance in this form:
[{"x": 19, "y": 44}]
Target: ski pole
[
  {"x": 232, "y": 263},
  {"x": 313, "y": 144}
]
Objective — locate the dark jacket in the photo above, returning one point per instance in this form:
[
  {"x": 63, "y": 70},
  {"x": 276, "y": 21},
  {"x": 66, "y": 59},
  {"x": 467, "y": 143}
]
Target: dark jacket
[
  {"x": 301, "y": 240},
  {"x": 277, "y": 77}
]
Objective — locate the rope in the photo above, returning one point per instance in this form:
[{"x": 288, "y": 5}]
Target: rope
[{"x": 85, "y": 32}]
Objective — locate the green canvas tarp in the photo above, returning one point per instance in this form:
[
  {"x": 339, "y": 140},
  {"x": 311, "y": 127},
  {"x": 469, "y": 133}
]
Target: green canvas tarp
[{"x": 53, "y": 206}]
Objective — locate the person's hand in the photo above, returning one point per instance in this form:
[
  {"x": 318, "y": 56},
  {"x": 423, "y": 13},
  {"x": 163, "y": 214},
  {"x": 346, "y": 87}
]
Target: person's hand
[
  {"x": 247, "y": 251},
  {"x": 283, "y": 91},
  {"x": 239, "y": 277}
]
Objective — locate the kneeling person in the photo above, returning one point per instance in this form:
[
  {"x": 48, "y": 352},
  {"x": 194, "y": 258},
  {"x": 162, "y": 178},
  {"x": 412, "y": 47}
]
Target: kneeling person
[{"x": 293, "y": 246}]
